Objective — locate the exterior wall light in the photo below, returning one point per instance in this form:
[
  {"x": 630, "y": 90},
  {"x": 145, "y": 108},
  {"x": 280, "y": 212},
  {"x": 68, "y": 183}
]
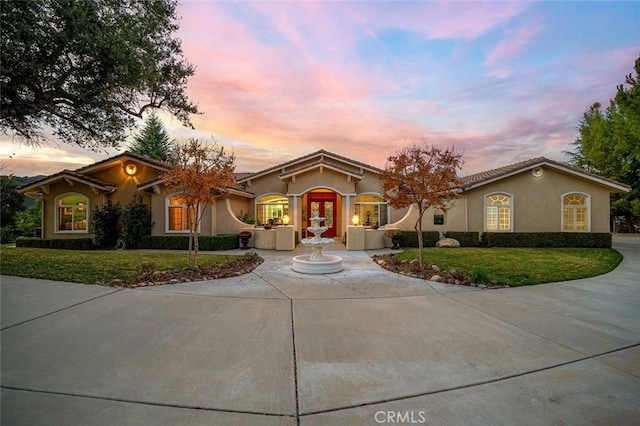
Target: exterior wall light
[
  {"x": 285, "y": 220},
  {"x": 537, "y": 172},
  {"x": 131, "y": 169},
  {"x": 355, "y": 219}
]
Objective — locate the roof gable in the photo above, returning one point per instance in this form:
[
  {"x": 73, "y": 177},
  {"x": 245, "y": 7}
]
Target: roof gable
[
  {"x": 311, "y": 161},
  {"x": 493, "y": 175}
]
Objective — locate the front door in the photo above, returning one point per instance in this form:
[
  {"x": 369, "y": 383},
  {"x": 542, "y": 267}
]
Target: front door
[{"x": 323, "y": 204}]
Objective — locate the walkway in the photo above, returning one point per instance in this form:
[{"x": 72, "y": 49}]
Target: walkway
[{"x": 363, "y": 346}]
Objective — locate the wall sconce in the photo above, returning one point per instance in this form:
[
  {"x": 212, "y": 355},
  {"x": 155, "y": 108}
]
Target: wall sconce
[
  {"x": 536, "y": 172},
  {"x": 285, "y": 220},
  {"x": 130, "y": 169},
  {"x": 355, "y": 219}
]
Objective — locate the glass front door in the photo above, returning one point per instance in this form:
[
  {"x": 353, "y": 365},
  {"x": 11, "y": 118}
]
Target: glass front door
[{"x": 323, "y": 205}]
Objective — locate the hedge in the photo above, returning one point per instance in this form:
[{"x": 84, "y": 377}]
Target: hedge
[
  {"x": 410, "y": 238},
  {"x": 181, "y": 242},
  {"x": 548, "y": 239},
  {"x": 178, "y": 242},
  {"x": 466, "y": 239},
  {"x": 59, "y": 243}
]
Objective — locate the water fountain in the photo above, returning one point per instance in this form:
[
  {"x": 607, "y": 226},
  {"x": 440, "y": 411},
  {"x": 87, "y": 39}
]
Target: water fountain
[{"x": 317, "y": 262}]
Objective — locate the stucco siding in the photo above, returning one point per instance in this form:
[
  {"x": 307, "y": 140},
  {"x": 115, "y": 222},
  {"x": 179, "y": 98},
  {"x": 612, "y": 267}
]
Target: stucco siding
[{"x": 537, "y": 201}]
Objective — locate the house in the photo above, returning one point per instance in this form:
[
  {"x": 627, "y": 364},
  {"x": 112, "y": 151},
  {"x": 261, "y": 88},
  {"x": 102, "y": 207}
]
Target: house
[{"x": 537, "y": 195}]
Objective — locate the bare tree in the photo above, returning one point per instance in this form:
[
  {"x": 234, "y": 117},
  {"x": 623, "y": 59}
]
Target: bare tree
[
  {"x": 201, "y": 173},
  {"x": 424, "y": 176}
]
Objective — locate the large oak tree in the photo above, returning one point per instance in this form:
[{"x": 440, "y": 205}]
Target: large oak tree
[{"x": 89, "y": 69}]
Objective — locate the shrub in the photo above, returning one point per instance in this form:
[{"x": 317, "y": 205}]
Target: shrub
[
  {"x": 181, "y": 242},
  {"x": 106, "y": 224},
  {"x": 479, "y": 276},
  {"x": 7, "y": 235},
  {"x": 549, "y": 239},
  {"x": 136, "y": 222},
  {"x": 59, "y": 243},
  {"x": 466, "y": 239},
  {"x": 410, "y": 238}
]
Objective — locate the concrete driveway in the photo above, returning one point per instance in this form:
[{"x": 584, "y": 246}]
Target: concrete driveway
[{"x": 363, "y": 346}]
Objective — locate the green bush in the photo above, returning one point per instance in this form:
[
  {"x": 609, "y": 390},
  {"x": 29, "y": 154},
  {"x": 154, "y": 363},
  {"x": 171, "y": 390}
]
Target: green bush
[
  {"x": 410, "y": 238},
  {"x": 136, "y": 222},
  {"x": 7, "y": 235},
  {"x": 181, "y": 242},
  {"x": 479, "y": 276},
  {"x": 466, "y": 239},
  {"x": 105, "y": 225},
  {"x": 549, "y": 239},
  {"x": 59, "y": 243}
]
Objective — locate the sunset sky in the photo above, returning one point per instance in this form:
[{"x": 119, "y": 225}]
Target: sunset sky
[{"x": 501, "y": 81}]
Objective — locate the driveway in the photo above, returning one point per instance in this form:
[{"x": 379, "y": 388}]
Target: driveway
[{"x": 363, "y": 346}]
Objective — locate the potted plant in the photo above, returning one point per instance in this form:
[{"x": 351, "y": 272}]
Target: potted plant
[{"x": 244, "y": 239}]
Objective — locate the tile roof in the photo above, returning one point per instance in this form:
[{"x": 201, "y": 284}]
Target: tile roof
[
  {"x": 75, "y": 175},
  {"x": 478, "y": 179},
  {"x": 306, "y": 157}
]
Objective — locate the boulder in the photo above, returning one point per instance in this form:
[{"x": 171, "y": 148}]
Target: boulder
[{"x": 448, "y": 242}]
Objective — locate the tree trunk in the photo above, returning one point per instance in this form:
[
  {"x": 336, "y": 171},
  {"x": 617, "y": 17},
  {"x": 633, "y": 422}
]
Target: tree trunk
[{"x": 418, "y": 228}]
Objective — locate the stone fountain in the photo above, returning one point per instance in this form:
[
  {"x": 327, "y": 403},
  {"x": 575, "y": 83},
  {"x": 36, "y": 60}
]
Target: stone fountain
[{"x": 316, "y": 262}]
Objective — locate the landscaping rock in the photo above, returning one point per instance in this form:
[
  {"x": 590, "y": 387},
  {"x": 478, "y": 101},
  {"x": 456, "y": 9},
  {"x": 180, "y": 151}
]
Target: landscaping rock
[
  {"x": 448, "y": 242},
  {"x": 436, "y": 278}
]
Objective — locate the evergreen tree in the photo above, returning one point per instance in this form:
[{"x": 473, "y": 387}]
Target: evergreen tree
[
  {"x": 609, "y": 144},
  {"x": 153, "y": 141}
]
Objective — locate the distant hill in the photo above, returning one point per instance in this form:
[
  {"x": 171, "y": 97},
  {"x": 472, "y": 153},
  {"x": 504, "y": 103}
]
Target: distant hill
[{"x": 23, "y": 180}]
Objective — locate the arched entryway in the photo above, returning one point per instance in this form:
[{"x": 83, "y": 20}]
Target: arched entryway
[{"x": 324, "y": 203}]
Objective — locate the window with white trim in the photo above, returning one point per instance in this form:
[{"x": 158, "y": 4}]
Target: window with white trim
[
  {"x": 179, "y": 215},
  {"x": 72, "y": 213},
  {"x": 498, "y": 212},
  {"x": 371, "y": 209},
  {"x": 576, "y": 212},
  {"x": 272, "y": 208}
]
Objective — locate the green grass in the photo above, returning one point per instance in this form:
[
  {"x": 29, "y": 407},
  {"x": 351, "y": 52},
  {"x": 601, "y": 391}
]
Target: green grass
[
  {"x": 523, "y": 266},
  {"x": 91, "y": 267}
]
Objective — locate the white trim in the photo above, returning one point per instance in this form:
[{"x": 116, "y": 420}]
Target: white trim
[
  {"x": 319, "y": 154},
  {"x": 57, "y": 215},
  {"x": 588, "y": 206},
  {"x": 511, "y": 211},
  {"x": 553, "y": 166},
  {"x": 321, "y": 166},
  {"x": 166, "y": 215},
  {"x": 291, "y": 194}
]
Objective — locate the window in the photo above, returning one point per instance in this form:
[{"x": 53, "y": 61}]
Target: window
[
  {"x": 179, "y": 215},
  {"x": 371, "y": 209},
  {"x": 498, "y": 214},
  {"x": 575, "y": 212},
  {"x": 272, "y": 207},
  {"x": 438, "y": 217},
  {"x": 72, "y": 212}
]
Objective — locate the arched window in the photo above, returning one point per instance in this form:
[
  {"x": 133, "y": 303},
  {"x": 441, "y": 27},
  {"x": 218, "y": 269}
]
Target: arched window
[
  {"x": 576, "y": 212},
  {"x": 272, "y": 208},
  {"x": 371, "y": 209},
  {"x": 72, "y": 213},
  {"x": 499, "y": 212}
]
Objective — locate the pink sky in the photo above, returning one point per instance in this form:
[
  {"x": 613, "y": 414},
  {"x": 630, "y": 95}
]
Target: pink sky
[{"x": 501, "y": 81}]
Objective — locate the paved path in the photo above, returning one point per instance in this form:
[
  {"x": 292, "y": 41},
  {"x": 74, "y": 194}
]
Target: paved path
[{"x": 362, "y": 346}]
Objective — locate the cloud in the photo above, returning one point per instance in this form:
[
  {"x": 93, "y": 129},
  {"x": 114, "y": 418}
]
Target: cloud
[{"x": 513, "y": 43}]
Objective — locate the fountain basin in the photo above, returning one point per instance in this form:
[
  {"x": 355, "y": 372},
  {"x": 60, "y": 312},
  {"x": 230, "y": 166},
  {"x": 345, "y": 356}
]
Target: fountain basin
[{"x": 326, "y": 264}]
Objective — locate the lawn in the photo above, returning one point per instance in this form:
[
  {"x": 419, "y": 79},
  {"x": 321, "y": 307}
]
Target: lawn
[
  {"x": 523, "y": 266},
  {"x": 92, "y": 267}
]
